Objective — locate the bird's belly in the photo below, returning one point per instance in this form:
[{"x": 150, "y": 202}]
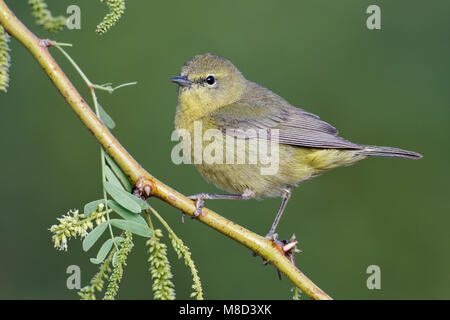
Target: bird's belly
[
  {"x": 265, "y": 175},
  {"x": 236, "y": 165}
]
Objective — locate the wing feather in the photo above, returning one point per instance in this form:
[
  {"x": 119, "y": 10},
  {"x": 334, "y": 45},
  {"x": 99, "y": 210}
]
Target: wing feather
[{"x": 261, "y": 109}]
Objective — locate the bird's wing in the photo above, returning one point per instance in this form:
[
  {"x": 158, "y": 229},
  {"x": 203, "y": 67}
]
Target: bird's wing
[{"x": 261, "y": 109}]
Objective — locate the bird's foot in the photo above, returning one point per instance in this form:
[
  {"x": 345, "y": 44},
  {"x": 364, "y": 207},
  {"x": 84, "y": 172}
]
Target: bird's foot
[{"x": 199, "y": 203}]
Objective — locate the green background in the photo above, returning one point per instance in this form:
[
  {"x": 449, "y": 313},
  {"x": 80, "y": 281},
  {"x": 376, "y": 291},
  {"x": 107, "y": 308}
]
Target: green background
[{"x": 383, "y": 87}]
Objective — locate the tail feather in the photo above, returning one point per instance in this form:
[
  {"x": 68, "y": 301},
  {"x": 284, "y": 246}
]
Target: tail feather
[{"x": 389, "y": 152}]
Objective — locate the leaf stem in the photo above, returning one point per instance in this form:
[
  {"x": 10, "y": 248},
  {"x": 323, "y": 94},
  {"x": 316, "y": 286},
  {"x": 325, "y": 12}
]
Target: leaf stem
[
  {"x": 103, "y": 164},
  {"x": 97, "y": 112}
]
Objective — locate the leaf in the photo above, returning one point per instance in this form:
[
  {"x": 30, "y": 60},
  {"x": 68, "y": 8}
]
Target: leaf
[
  {"x": 118, "y": 240},
  {"x": 125, "y": 199},
  {"x": 111, "y": 177},
  {"x": 126, "y": 214},
  {"x": 103, "y": 252},
  {"x": 132, "y": 227},
  {"x": 106, "y": 118},
  {"x": 118, "y": 172},
  {"x": 141, "y": 202},
  {"x": 93, "y": 236},
  {"x": 92, "y": 206}
]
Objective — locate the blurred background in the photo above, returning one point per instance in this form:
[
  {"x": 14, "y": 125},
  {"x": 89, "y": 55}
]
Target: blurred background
[{"x": 383, "y": 87}]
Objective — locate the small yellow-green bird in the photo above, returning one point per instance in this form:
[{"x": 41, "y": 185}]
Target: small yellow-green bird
[{"x": 213, "y": 94}]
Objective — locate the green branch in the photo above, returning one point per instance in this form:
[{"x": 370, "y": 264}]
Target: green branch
[{"x": 140, "y": 177}]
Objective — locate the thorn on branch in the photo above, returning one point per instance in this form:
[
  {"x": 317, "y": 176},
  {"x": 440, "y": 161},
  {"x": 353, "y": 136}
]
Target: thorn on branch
[
  {"x": 290, "y": 248},
  {"x": 143, "y": 188},
  {"x": 45, "y": 43},
  {"x": 287, "y": 247}
]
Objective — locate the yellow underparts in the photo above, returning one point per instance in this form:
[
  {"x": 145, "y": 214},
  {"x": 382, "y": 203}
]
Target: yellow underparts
[{"x": 235, "y": 172}]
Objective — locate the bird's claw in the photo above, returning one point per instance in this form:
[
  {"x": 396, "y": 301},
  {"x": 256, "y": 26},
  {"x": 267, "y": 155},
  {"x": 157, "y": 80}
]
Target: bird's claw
[{"x": 199, "y": 204}]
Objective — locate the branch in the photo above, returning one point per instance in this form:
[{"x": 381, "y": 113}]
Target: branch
[{"x": 139, "y": 177}]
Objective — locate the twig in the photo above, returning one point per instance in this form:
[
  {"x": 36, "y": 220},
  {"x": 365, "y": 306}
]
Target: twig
[{"x": 137, "y": 175}]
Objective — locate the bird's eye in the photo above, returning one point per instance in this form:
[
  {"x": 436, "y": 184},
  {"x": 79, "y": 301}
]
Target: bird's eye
[{"x": 210, "y": 80}]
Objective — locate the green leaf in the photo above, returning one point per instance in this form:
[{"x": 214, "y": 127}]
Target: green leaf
[
  {"x": 141, "y": 202},
  {"x": 92, "y": 206},
  {"x": 93, "y": 236},
  {"x": 103, "y": 252},
  {"x": 125, "y": 199},
  {"x": 111, "y": 177},
  {"x": 106, "y": 118},
  {"x": 118, "y": 240},
  {"x": 119, "y": 173},
  {"x": 132, "y": 227},
  {"x": 126, "y": 214}
]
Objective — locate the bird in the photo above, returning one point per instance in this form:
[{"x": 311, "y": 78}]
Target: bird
[{"x": 214, "y": 95}]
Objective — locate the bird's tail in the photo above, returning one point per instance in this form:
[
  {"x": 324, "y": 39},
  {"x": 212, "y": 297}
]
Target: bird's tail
[{"x": 389, "y": 152}]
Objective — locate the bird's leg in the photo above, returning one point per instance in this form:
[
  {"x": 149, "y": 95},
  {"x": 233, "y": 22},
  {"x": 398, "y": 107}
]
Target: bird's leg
[
  {"x": 286, "y": 196},
  {"x": 201, "y": 197}
]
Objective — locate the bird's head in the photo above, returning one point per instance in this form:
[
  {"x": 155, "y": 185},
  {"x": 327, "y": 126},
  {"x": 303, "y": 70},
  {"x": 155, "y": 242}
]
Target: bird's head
[{"x": 209, "y": 81}]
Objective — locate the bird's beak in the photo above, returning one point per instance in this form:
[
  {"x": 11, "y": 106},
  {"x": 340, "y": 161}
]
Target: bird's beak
[{"x": 182, "y": 81}]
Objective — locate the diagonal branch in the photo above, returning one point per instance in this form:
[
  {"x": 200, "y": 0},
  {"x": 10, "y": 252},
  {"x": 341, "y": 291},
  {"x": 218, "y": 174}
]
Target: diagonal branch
[{"x": 139, "y": 176}]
